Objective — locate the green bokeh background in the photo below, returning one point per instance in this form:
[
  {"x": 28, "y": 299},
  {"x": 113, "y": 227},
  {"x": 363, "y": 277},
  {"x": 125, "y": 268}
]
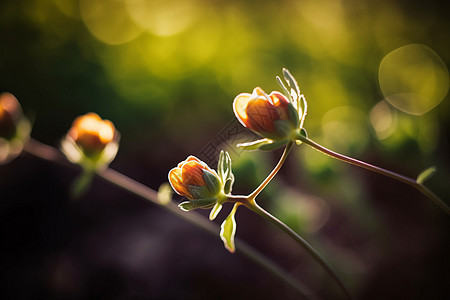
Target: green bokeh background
[{"x": 166, "y": 73}]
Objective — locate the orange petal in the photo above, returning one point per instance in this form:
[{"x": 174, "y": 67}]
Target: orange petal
[
  {"x": 240, "y": 107},
  {"x": 177, "y": 183},
  {"x": 192, "y": 173},
  {"x": 190, "y": 158},
  {"x": 261, "y": 115},
  {"x": 278, "y": 99}
]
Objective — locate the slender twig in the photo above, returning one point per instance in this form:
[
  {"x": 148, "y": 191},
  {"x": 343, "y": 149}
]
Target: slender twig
[
  {"x": 252, "y": 205},
  {"x": 410, "y": 181},
  {"x": 273, "y": 173},
  {"x": 52, "y": 154}
]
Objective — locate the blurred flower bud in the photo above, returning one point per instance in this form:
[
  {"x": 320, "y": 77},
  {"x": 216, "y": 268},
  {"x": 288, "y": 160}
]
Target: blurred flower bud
[
  {"x": 271, "y": 116},
  {"x": 196, "y": 181},
  {"x": 91, "y": 141},
  {"x": 14, "y": 128}
]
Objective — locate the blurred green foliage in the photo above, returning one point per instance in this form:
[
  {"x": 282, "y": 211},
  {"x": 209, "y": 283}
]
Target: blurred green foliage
[{"x": 166, "y": 73}]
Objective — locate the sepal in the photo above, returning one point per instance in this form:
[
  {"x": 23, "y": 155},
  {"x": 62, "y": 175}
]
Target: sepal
[
  {"x": 273, "y": 145},
  {"x": 215, "y": 211},
  {"x": 255, "y": 145},
  {"x": 225, "y": 171},
  {"x": 213, "y": 183},
  {"x": 199, "y": 192},
  {"x": 198, "y": 203}
]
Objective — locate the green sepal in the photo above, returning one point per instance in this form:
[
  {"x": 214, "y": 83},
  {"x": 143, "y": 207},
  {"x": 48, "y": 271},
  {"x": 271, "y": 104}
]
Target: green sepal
[
  {"x": 199, "y": 192},
  {"x": 228, "y": 185},
  {"x": 198, "y": 203},
  {"x": 220, "y": 165},
  {"x": 228, "y": 170},
  {"x": 228, "y": 230},
  {"x": 293, "y": 115},
  {"x": 292, "y": 83},
  {"x": 212, "y": 182},
  {"x": 303, "y": 133},
  {"x": 255, "y": 145},
  {"x": 426, "y": 174},
  {"x": 273, "y": 146},
  {"x": 283, "y": 128},
  {"x": 215, "y": 211}
]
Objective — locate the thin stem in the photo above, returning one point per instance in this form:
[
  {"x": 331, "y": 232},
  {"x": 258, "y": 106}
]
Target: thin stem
[
  {"x": 410, "y": 181},
  {"x": 252, "y": 205},
  {"x": 51, "y": 154},
  {"x": 273, "y": 173}
]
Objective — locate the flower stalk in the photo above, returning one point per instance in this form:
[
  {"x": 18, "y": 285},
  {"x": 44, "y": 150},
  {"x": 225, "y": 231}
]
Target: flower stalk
[
  {"x": 49, "y": 153},
  {"x": 417, "y": 184}
]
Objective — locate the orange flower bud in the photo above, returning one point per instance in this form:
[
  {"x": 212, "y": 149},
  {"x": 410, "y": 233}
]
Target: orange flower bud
[
  {"x": 196, "y": 181},
  {"x": 91, "y": 142},
  {"x": 271, "y": 116},
  {"x": 92, "y": 133},
  {"x": 10, "y": 115}
]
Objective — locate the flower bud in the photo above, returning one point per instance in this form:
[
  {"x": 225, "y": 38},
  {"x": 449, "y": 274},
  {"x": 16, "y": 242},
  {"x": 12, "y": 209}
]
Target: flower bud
[
  {"x": 196, "y": 181},
  {"x": 91, "y": 140},
  {"x": 271, "y": 116},
  {"x": 10, "y": 115},
  {"x": 14, "y": 128}
]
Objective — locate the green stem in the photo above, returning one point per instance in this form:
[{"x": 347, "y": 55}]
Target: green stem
[
  {"x": 252, "y": 205},
  {"x": 273, "y": 173},
  {"x": 410, "y": 181},
  {"x": 51, "y": 154}
]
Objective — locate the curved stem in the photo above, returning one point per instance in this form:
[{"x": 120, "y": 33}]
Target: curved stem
[
  {"x": 273, "y": 173},
  {"x": 51, "y": 154},
  {"x": 252, "y": 205},
  {"x": 410, "y": 181}
]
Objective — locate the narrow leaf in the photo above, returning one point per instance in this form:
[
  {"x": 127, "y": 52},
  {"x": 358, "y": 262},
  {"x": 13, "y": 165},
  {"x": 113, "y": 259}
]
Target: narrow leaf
[
  {"x": 286, "y": 92},
  {"x": 254, "y": 145},
  {"x": 228, "y": 230},
  {"x": 228, "y": 185},
  {"x": 215, "y": 211},
  {"x": 227, "y": 165},
  {"x": 220, "y": 164},
  {"x": 273, "y": 146},
  {"x": 425, "y": 175}
]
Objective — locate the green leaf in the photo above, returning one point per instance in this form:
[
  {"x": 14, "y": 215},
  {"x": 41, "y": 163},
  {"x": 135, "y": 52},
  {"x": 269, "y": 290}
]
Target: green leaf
[
  {"x": 293, "y": 115},
  {"x": 198, "y": 203},
  {"x": 228, "y": 230},
  {"x": 286, "y": 92},
  {"x": 220, "y": 165},
  {"x": 292, "y": 83},
  {"x": 254, "y": 145},
  {"x": 228, "y": 185},
  {"x": 227, "y": 166},
  {"x": 273, "y": 146},
  {"x": 212, "y": 182},
  {"x": 215, "y": 211},
  {"x": 425, "y": 175}
]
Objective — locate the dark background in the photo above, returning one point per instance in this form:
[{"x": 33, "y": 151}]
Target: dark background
[{"x": 166, "y": 73}]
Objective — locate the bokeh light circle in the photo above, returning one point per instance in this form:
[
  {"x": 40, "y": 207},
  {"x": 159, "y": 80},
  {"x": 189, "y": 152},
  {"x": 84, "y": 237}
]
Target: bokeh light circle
[
  {"x": 109, "y": 21},
  {"x": 413, "y": 78}
]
